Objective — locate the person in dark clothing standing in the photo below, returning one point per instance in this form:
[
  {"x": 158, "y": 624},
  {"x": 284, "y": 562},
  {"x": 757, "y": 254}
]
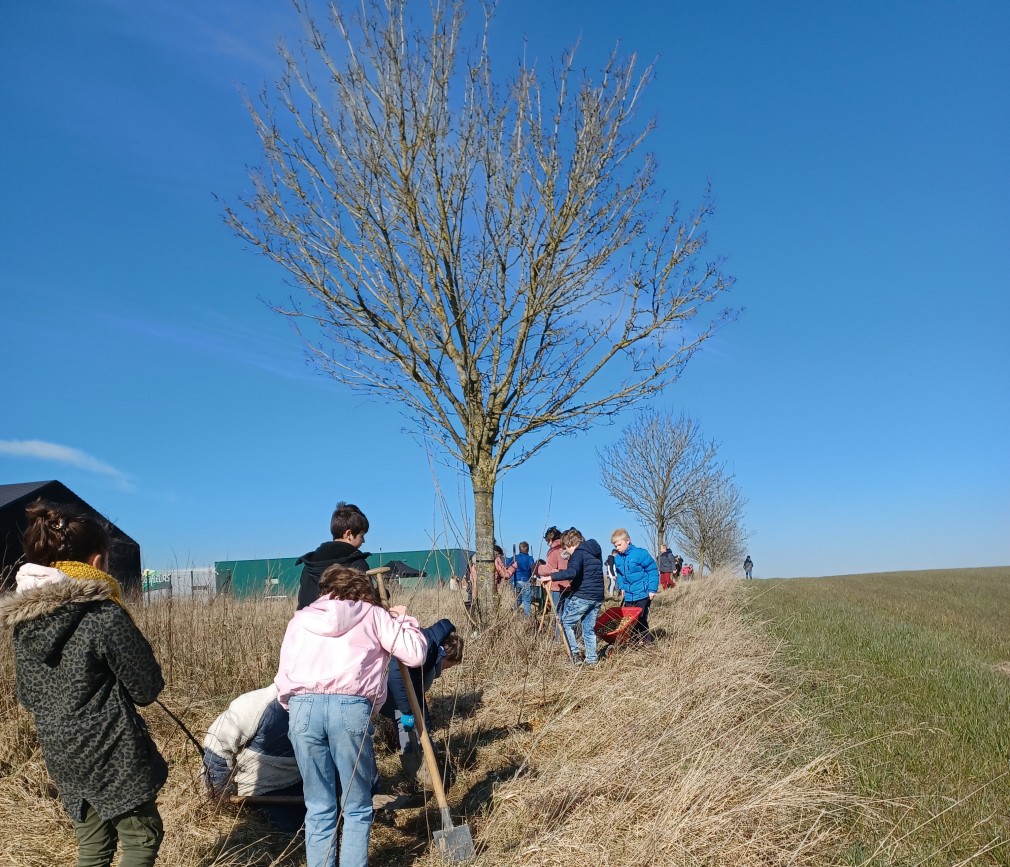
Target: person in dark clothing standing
[
  {"x": 667, "y": 566},
  {"x": 348, "y": 526},
  {"x": 584, "y": 594},
  {"x": 82, "y": 666},
  {"x": 748, "y": 567}
]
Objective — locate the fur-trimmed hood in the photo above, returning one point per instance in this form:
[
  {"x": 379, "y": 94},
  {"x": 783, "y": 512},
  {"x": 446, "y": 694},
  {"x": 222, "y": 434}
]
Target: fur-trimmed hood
[
  {"x": 81, "y": 665},
  {"x": 44, "y": 600},
  {"x": 49, "y": 615}
]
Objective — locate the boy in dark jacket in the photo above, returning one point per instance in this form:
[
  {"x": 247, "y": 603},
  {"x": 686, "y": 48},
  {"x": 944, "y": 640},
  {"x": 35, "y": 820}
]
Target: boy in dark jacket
[
  {"x": 585, "y": 593},
  {"x": 348, "y": 526}
]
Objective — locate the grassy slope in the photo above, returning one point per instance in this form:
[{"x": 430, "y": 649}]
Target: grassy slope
[
  {"x": 914, "y": 669},
  {"x": 687, "y": 753}
]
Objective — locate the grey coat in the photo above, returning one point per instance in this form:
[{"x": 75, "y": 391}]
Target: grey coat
[{"x": 81, "y": 666}]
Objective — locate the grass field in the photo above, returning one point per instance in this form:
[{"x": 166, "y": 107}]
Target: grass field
[{"x": 912, "y": 671}]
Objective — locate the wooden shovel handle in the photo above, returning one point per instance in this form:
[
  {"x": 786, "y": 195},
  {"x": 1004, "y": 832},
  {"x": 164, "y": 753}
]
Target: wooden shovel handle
[{"x": 422, "y": 734}]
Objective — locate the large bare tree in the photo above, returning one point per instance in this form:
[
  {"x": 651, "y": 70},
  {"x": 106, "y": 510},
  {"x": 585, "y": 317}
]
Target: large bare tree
[
  {"x": 476, "y": 251},
  {"x": 710, "y": 530},
  {"x": 656, "y": 469}
]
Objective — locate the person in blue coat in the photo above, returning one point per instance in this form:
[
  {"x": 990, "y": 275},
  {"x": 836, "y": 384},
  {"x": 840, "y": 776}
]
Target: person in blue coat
[
  {"x": 445, "y": 649},
  {"x": 637, "y": 579},
  {"x": 524, "y": 564}
]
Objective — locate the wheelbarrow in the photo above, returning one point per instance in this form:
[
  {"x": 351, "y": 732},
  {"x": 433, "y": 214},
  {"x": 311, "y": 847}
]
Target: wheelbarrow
[{"x": 616, "y": 625}]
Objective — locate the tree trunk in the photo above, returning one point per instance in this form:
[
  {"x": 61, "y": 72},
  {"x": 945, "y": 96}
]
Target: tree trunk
[
  {"x": 660, "y": 537},
  {"x": 483, "y": 506}
]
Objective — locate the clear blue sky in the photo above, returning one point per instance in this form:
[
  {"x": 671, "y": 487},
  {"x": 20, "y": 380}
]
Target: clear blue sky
[{"x": 858, "y": 152}]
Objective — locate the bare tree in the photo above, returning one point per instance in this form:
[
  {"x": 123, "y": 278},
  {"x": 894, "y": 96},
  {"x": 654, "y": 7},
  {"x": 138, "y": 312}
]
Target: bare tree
[
  {"x": 656, "y": 469},
  {"x": 476, "y": 253},
  {"x": 710, "y": 530}
]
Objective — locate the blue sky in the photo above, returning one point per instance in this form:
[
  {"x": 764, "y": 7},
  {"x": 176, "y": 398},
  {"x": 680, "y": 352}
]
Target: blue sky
[{"x": 858, "y": 155}]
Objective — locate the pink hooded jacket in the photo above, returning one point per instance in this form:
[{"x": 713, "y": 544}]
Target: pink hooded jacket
[{"x": 338, "y": 647}]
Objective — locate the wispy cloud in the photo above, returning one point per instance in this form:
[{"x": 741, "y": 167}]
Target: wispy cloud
[{"x": 64, "y": 455}]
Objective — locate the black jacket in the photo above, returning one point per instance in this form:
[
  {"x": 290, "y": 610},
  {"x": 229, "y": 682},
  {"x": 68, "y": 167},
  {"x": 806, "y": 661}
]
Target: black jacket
[
  {"x": 81, "y": 665},
  {"x": 316, "y": 562},
  {"x": 585, "y": 571}
]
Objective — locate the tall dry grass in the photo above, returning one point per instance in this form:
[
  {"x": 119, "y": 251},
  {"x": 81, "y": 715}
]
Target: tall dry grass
[{"x": 685, "y": 753}]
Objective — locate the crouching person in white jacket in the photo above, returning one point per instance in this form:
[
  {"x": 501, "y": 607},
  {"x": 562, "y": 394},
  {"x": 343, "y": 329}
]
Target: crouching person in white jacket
[{"x": 247, "y": 753}]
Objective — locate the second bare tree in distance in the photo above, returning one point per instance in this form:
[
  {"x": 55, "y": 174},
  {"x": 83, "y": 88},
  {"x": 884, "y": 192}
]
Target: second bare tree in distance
[{"x": 657, "y": 469}]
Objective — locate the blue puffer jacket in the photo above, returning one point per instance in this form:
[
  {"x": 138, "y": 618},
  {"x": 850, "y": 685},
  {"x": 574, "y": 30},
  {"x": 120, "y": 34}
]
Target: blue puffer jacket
[
  {"x": 585, "y": 571},
  {"x": 637, "y": 574}
]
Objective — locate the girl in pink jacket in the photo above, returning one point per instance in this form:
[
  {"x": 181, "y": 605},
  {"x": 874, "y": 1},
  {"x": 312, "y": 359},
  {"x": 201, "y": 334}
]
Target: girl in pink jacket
[{"x": 332, "y": 675}]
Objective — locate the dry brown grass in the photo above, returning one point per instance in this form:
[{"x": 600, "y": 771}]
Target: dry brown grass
[{"x": 685, "y": 753}]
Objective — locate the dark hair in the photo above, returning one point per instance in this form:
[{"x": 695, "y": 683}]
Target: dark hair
[
  {"x": 56, "y": 532},
  {"x": 347, "y": 517},
  {"x": 524, "y": 547},
  {"x": 342, "y": 582},
  {"x": 453, "y": 648},
  {"x": 552, "y": 534},
  {"x": 498, "y": 550},
  {"x": 572, "y": 537}
]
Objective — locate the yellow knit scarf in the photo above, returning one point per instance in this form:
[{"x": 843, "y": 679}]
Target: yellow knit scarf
[{"x": 87, "y": 572}]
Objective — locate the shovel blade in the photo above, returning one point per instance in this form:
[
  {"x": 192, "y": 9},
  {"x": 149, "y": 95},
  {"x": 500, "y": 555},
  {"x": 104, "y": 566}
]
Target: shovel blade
[{"x": 455, "y": 844}]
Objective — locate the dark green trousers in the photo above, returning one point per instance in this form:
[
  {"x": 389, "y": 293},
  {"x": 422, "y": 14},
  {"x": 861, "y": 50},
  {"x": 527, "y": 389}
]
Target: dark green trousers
[{"x": 138, "y": 831}]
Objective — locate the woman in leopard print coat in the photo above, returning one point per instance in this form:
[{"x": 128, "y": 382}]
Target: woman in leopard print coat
[{"x": 82, "y": 666}]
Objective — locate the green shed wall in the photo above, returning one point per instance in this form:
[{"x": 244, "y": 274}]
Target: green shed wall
[{"x": 248, "y": 578}]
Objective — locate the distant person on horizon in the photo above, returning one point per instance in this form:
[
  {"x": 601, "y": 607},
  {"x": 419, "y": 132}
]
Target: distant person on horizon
[
  {"x": 610, "y": 573},
  {"x": 348, "y": 526},
  {"x": 524, "y": 564},
  {"x": 637, "y": 579},
  {"x": 667, "y": 567},
  {"x": 748, "y": 567}
]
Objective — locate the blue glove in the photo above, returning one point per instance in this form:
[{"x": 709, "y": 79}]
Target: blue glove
[{"x": 407, "y": 721}]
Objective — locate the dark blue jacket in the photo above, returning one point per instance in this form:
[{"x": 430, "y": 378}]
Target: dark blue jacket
[
  {"x": 585, "y": 571},
  {"x": 637, "y": 574},
  {"x": 421, "y": 676}
]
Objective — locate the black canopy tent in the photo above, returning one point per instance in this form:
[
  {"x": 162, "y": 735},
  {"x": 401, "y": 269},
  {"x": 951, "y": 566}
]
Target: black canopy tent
[
  {"x": 124, "y": 552},
  {"x": 398, "y": 569}
]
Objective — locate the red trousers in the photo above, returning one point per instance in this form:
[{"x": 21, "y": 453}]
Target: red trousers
[{"x": 666, "y": 581}]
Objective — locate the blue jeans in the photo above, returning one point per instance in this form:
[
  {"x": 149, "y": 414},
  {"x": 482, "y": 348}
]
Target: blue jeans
[
  {"x": 523, "y": 591},
  {"x": 332, "y": 740},
  {"x": 584, "y": 611}
]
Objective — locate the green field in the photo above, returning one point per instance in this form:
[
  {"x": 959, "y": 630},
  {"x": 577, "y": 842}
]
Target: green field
[{"x": 910, "y": 673}]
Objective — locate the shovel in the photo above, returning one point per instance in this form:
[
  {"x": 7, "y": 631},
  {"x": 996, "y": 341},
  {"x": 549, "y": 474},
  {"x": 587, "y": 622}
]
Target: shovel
[{"x": 454, "y": 843}]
